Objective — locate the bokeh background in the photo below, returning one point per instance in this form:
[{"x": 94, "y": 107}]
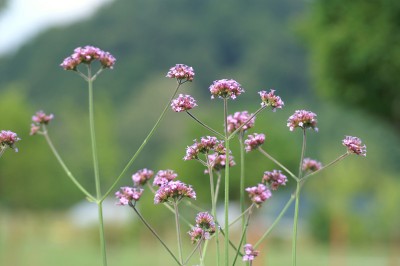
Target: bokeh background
[{"x": 339, "y": 59}]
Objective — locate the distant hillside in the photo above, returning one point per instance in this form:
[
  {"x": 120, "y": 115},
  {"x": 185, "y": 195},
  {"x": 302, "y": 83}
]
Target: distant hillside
[{"x": 253, "y": 43}]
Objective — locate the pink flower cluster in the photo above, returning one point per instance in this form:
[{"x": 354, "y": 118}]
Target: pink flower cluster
[
  {"x": 164, "y": 176},
  {"x": 259, "y": 194},
  {"x": 225, "y": 88},
  {"x": 87, "y": 55},
  {"x": 8, "y": 140},
  {"x": 249, "y": 253},
  {"x": 238, "y": 119},
  {"x": 254, "y": 141},
  {"x": 354, "y": 145},
  {"x": 141, "y": 177},
  {"x": 304, "y": 119},
  {"x": 205, "y": 145},
  {"x": 174, "y": 190},
  {"x": 204, "y": 229},
  {"x": 270, "y": 99},
  {"x": 128, "y": 194},
  {"x": 275, "y": 179},
  {"x": 311, "y": 165},
  {"x": 181, "y": 72},
  {"x": 218, "y": 161},
  {"x": 39, "y": 119},
  {"x": 183, "y": 103}
]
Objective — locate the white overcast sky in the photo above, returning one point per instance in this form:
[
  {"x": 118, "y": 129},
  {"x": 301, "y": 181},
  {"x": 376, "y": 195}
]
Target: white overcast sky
[{"x": 23, "y": 19}]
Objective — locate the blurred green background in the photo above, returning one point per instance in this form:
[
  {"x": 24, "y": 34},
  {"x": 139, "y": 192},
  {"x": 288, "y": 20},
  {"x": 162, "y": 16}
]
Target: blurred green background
[{"x": 339, "y": 59}]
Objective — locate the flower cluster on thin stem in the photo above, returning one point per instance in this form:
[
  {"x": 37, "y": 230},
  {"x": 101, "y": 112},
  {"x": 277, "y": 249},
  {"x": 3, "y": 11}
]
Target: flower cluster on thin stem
[
  {"x": 204, "y": 228},
  {"x": 8, "y": 140},
  {"x": 354, "y": 145},
  {"x": 86, "y": 55},
  {"x": 254, "y": 141},
  {"x": 303, "y": 119},
  {"x": 225, "y": 89},
  {"x": 182, "y": 73},
  {"x": 40, "y": 119},
  {"x": 242, "y": 120},
  {"x": 270, "y": 99}
]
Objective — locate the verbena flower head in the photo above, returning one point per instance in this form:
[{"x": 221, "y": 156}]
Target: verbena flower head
[
  {"x": 87, "y": 55},
  {"x": 225, "y": 88},
  {"x": 238, "y": 119},
  {"x": 270, "y": 99},
  {"x": 204, "y": 229},
  {"x": 259, "y": 194},
  {"x": 254, "y": 141},
  {"x": 354, "y": 145},
  {"x": 218, "y": 161},
  {"x": 40, "y": 118},
  {"x": 173, "y": 191},
  {"x": 183, "y": 103},
  {"x": 181, "y": 72},
  {"x": 311, "y": 165},
  {"x": 275, "y": 179},
  {"x": 205, "y": 145},
  {"x": 304, "y": 119},
  {"x": 8, "y": 140},
  {"x": 141, "y": 177},
  {"x": 164, "y": 176},
  {"x": 128, "y": 194},
  {"x": 249, "y": 253}
]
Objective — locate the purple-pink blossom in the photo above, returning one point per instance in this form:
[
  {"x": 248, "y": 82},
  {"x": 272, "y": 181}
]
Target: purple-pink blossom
[
  {"x": 303, "y": 119},
  {"x": 258, "y": 194},
  {"x": 128, "y": 194},
  {"x": 8, "y": 140},
  {"x": 205, "y": 145},
  {"x": 183, "y": 103},
  {"x": 164, "y": 176},
  {"x": 218, "y": 161},
  {"x": 86, "y": 55},
  {"x": 205, "y": 227},
  {"x": 41, "y": 118},
  {"x": 249, "y": 253},
  {"x": 275, "y": 179},
  {"x": 311, "y": 165},
  {"x": 254, "y": 141},
  {"x": 238, "y": 119},
  {"x": 181, "y": 72},
  {"x": 270, "y": 99},
  {"x": 141, "y": 177},
  {"x": 354, "y": 145},
  {"x": 225, "y": 88},
  {"x": 174, "y": 191}
]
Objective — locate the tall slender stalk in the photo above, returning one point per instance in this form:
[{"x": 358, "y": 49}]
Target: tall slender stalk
[
  {"x": 242, "y": 174},
  {"x": 178, "y": 231},
  {"x": 226, "y": 205}
]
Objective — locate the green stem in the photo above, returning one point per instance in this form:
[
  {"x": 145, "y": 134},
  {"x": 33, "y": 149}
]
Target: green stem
[
  {"x": 243, "y": 237},
  {"x": 242, "y": 174},
  {"x": 245, "y": 122},
  {"x": 141, "y": 146},
  {"x": 2, "y": 150},
  {"x": 283, "y": 211},
  {"x": 178, "y": 231},
  {"x": 198, "y": 246},
  {"x": 295, "y": 224},
  {"x": 154, "y": 232},
  {"x": 341, "y": 157},
  {"x": 204, "y": 125},
  {"x": 278, "y": 163},
  {"x": 226, "y": 205},
  {"x": 65, "y": 168},
  {"x": 96, "y": 167}
]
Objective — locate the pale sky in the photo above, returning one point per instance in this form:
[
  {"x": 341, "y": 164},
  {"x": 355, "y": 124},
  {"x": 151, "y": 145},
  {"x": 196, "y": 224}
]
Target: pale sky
[{"x": 23, "y": 19}]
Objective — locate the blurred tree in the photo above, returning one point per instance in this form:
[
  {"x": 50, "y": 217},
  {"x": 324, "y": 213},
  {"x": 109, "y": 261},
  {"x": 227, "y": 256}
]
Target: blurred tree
[{"x": 355, "y": 54}]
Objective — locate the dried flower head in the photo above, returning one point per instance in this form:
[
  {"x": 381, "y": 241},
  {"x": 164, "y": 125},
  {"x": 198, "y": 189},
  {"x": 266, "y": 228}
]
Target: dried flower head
[
  {"x": 225, "y": 88},
  {"x": 181, "y": 72},
  {"x": 275, "y": 179},
  {"x": 8, "y": 140},
  {"x": 311, "y": 165},
  {"x": 259, "y": 194},
  {"x": 238, "y": 119},
  {"x": 183, "y": 103},
  {"x": 270, "y": 99},
  {"x": 87, "y": 55},
  {"x": 254, "y": 141},
  {"x": 303, "y": 119},
  {"x": 40, "y": 118},
  {"x": 249, "y": 253},
  {"x": 164, "y": 176},
  {"x": 354, "y": 145},
  {"x": 141, "y": 177},
  {"x": 174, "y": 190},
  {"x": 128, "y": 194}
]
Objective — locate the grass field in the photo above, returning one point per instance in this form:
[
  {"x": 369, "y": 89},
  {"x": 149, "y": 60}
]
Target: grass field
[{"x": 49, "y": 239}]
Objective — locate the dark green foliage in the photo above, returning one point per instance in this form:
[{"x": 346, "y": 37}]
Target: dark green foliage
[{"x": 356, "y": 54}]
